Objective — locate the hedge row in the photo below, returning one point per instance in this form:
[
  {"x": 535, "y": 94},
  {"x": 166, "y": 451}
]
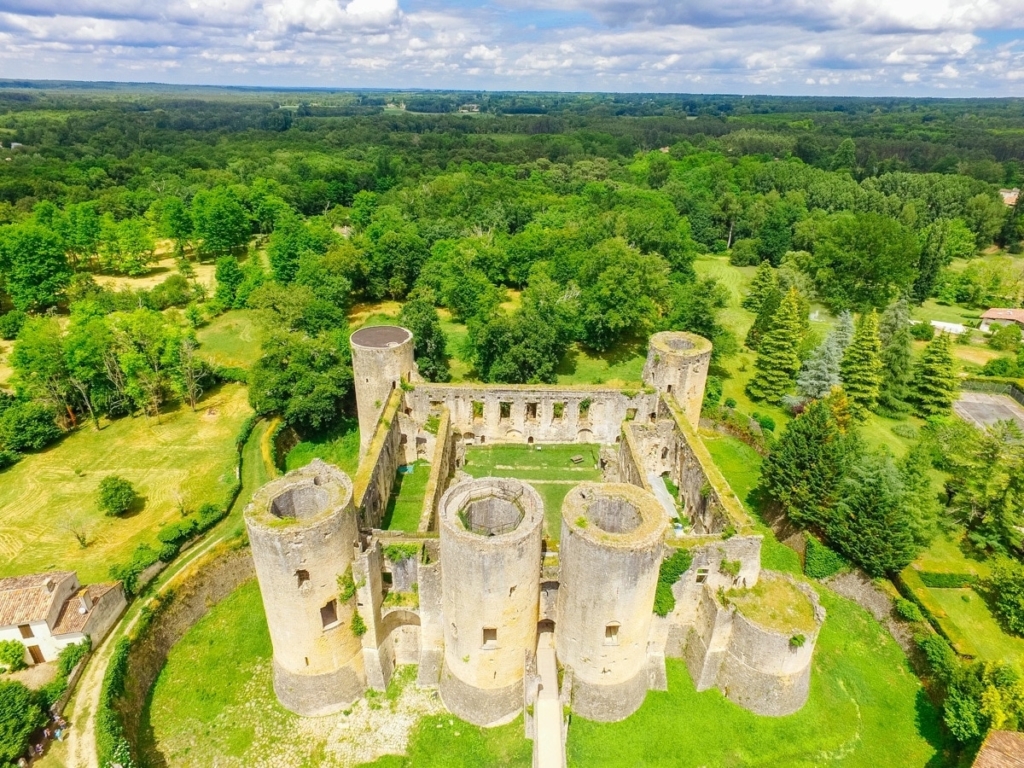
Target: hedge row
[
  {"x": 913, "y": 587},
  {"x": 947, "y": 580},
  {"x": 111, "y": 745}
]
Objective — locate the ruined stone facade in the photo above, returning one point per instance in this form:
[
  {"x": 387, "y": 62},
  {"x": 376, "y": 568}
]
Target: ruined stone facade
[{"x": 467, "y": 597}]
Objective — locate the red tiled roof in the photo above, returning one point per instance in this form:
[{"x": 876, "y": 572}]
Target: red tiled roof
[
  {"x": 1004, "y": 314},
  {"x": 26, "y": 598},
  {"x": 1002, "y": 749},
  {"x": 70, "y": 618}
]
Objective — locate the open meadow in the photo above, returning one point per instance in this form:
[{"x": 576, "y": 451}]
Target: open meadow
[{"x": 47, "y": 493}]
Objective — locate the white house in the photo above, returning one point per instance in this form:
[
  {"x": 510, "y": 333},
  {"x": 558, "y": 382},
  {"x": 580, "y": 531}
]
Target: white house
[
  {"x": 47, "y": 611},
  {"x": 997, "y": 316}
]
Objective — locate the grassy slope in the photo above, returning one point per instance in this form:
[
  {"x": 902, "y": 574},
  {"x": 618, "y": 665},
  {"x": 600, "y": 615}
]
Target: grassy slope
[
  {"x": 182, "y": 451},
  {"x": 339, "y": 446},
  {"x": 971, "y": 614},
  {"x": 550, "y": 470},
  {"x": 406, "y": 503},
  {"x": 239, "y": 722},
  {"x": 231, "y": 339}
]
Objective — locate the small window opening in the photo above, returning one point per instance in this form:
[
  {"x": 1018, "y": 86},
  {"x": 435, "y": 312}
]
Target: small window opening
[
  {"x": 302, "y": 576},
  {"x": 490, "y": 638},
  {"x": 654, "y": 418},
  {"x": 307, "y": 660},
  {"x": 329, "y": 614},
  {"x": 669, "y": 389},
  {"x": 702, "y": 575},
  {"x": 630, "y": 414},
  {"x": 611, "y": 633},
  {"x": 511, "y": 591},
  {"x": 558, "y": 411},
  {"x": 26, "y": 631},
  {"x": 483, "y": 439},
  {"x": 664, "y": 453},
  {"x": 529, "y": 440},
  {"x": 531, "y": 411},
  {"x": 478, "y": 410},
  {"x": 505, "y": 411},
  {"x": 435, "y": 405}
]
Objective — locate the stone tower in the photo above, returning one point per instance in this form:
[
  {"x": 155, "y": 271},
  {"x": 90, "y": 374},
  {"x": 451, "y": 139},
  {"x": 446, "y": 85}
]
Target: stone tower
[
  {"x": 302, "y": 531},
  {"x": 490, "y": 580},
  {"x": 381, "y": 357},
  {"x": 611, "y": 549},
  {"x": 677, "y": 364}
]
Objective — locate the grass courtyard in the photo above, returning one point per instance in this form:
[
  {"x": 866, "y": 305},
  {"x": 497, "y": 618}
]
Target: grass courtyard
[
  {"x": 406, "y": 503},
  {"x": 548, "y": 468},
  {"x": 180, "y": 452}
]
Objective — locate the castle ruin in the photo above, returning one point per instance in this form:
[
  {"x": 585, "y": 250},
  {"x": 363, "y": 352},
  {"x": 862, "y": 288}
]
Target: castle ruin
[{"x": 481, "y": 600}]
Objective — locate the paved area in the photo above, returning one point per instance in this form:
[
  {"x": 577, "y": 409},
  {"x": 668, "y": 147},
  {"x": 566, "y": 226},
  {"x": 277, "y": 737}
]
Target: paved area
[
  {"x": 983, "y": 409},
  {"x": 549, "y": 751}
]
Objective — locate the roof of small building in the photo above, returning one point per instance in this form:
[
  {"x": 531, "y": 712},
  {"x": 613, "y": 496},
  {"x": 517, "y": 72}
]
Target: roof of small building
[
  {"x": 71, "y": 619},
  {"x": 1002, "y": 749},
  {"x": 1010, "y": 195},
  {"x": 29, "y": 598},
  {"x": 954, "y": 328},
  {"x": 1004, "y": 314}
]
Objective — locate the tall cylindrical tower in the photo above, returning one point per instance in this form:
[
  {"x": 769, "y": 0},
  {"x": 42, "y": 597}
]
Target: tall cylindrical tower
[
  {"x": 381, "y": 356},
  {"x": 677, "y": 364},
  {"x": 302, "y": 531},
  {"x": 490, "y": 580},
  {"x": 611, "y": 548}
]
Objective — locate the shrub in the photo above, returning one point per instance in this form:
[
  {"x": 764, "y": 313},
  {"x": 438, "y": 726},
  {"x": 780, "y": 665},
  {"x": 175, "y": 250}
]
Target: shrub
[
  {"x": 730, "y": 402},
  {"x": 346, "y": 586},
  {"x": 10, "y": 324},
  {"x": 8, "y": 458},
  {"x": 20, "y": 715},
  {"x": 67, "y": 660},
  {"x": 908, "y": 610},
  {"x": 767, "y": 423},
  {"x": 671, "y": 569},
  {"x": 906, "y": 431},
  {"x": 27, "y": 427},
  {"x": 116, "y": 495},
  {"x": 1003, "y": 367},
  {"x": 797, "y": 641},
  {"x": 1007, "y": 586},
  {"x": 128, "y": 573},
  {"x": 1005, "y": 338},
  {"x": 942, "y": 660},
  {"x": 745, "y": 253},
  {"x": 820, "y": 562},
  {"x": 12, "y": 656},
  {"x": 713, "y": 391},
  {"x": 358, "y": 625},
  {"x": 922, "y": 331},
  {"x": 398, "y": 552}
]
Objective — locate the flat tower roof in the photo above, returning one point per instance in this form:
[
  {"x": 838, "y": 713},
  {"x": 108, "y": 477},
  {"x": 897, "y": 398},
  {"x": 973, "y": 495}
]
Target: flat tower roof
[{"x": 381, "y": 336}]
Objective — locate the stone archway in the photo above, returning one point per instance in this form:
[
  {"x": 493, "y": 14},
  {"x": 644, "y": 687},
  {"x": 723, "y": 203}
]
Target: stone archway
[{"x": 584, "y": 436}]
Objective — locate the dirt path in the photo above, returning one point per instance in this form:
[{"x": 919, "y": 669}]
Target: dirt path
[{"x": 80, "y": 745}]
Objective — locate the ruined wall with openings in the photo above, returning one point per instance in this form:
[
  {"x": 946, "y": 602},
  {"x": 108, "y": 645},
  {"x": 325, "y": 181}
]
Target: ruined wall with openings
[{"x": 376, "y": 474}]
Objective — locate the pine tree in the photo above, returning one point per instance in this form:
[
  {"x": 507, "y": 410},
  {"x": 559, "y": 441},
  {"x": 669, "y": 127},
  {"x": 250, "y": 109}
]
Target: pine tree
[
  {"x": 765, "y": 317},
  {"x": 897, "y": 370},
  {"x": 778, "y": 357},
  {"x": 844, "y": 330},
  {"x": 872, "y": 522},
  {"x": 763, "y": 283},
  {"x": 805, "y": 468},
  {"x": 935, "y": 382},
  {"x": 820, "y": 372},
  {"x": 862, "y": 366}
]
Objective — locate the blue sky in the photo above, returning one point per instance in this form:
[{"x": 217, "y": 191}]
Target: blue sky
[{"x": 827, "y": 47}]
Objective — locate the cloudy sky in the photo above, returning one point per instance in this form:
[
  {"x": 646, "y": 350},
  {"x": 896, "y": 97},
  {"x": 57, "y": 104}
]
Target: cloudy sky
[{"x": 856, "y": 47}]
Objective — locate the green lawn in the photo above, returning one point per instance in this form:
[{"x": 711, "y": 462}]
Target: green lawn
[
  {"x": 550, "y": 470},
  {"x": 406, "y": 503},
  {"x": 969, "y": 612},
  {"x": 213, "y": 705},
  {"x": 948, "y": 554},
  {"x": 231, "y": 340},
  {"x": 181, "y": 452},
  {"x": 866, "y": 708},
  {"x": 338, "y": 446}
]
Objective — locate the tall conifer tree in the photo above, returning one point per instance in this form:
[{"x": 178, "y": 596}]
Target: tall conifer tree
[
  {"x": 778, "y": 358},
  {"x": 897, "y": 369},
  {"x": 935, "y": 382},
  {"x": 862, "y": 366},
  {"x": 765, "y": 317},
  {"x": 764, "y": 282}
]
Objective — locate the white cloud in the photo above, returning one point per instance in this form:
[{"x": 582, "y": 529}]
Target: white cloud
[{"x": 787, "y": 46}]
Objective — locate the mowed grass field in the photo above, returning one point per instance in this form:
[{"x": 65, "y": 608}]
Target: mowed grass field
[
  {"x": 406, "y": 503},
  {"x": 549, "y": 470},
  {"x": 231, "y": 340},
  {"x": 181, "y": 452},
  {"x": 972, "y": 616},
  {"x": 213, "y": 705}
]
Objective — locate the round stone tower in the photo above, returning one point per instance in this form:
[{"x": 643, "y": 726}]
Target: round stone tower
[
  {"x": 490, "y": 580},
  {"x": 302, "y": 531},
  {"x": 677, "y": 364},
  {"x": 611, "y": 548},
  {"x": 381, "y": 356}
]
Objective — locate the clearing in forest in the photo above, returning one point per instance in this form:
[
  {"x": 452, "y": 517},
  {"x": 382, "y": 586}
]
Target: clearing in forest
[{"x": 179, "y": 452}]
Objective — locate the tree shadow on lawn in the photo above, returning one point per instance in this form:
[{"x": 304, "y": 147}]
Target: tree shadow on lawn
[{"x": 622, "y": 352}]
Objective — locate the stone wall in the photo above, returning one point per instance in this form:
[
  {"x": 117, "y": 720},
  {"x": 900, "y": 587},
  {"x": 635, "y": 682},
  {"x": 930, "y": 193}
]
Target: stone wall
[
  {"x": 376, "y": 474},
  {"x": 530, "y": 411},
  {"x": 442, "y": 465},
  {"x": 206, "y": 583},
  {"x": 381, "y": 358},
  {"x": 756, "y": 667}
]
